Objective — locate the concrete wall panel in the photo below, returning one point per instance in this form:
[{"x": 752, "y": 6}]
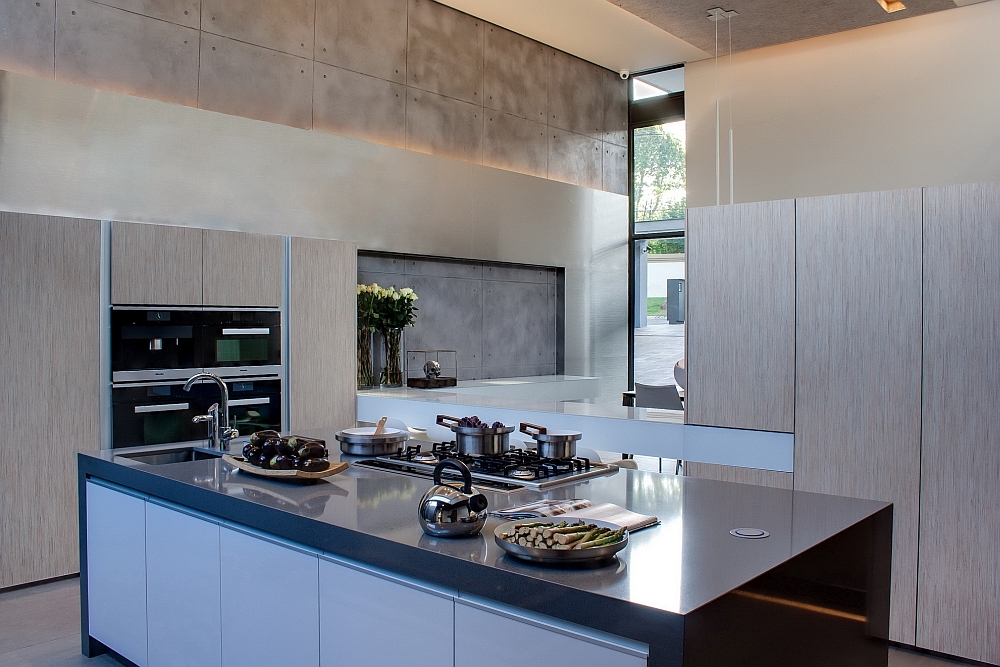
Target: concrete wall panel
[
  {"x": 367, "y": 36},
  {"x": 27, "y": 37},
  {"x": 282, "y": 25},
  {"x": 513, "y": 143},
  {"x": 359, "y": 106},
  {"x": 516, "y": 74},
  {"x": 443, "y": 126},
  {"x": 444, "y": 52}
]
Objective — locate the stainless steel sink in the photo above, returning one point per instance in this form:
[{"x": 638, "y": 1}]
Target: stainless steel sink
[{"x": 165, "y": 456}]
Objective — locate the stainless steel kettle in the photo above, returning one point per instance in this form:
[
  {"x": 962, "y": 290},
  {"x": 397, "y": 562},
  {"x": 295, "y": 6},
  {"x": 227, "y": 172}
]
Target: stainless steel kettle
[{"x": 449, "y": 511}]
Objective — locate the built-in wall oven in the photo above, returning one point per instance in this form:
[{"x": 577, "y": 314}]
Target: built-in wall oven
[{"x": 155, "y": 350}]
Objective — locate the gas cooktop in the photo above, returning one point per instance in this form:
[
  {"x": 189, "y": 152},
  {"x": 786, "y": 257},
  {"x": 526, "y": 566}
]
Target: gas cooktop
[{"x": 512, "y": 471}]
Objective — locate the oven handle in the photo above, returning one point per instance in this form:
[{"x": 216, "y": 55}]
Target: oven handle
[
  {"x": 249, "y": 401},
  {"x": 263, "y": 331},
  {"x": 163, "y": 407}
]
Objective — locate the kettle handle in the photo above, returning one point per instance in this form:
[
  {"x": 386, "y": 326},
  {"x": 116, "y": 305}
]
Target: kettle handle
[
  {"x": 532, "y": 429},
  {"x": 459, "y": 466}
]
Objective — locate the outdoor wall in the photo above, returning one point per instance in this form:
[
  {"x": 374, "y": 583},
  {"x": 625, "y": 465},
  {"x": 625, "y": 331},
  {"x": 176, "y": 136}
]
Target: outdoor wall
[
  {"x": 413, "y": 74},
  {"x": 904, "y": 104}
]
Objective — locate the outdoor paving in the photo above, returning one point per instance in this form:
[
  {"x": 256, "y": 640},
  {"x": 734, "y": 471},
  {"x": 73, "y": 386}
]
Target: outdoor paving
[{"x": 658, "y": 347}]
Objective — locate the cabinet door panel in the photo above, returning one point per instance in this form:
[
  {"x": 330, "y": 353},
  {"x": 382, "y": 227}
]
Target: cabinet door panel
[
  {"x": 352, "y": 603},
  {"x": 323, "y": 334},
  {"x": 535, "y": 645},
  {"x": 270, "y": 603},
  {"x": 741, "y": 316},
  {"x": 182, "y": 589},
  {"x": 50, "y": 329},
  {"x": 116, "y": 571},
  {"x": 958, "y": 606},
  {"x": 858, "y": 347},
  {"x": 156, "y": 264},
  {"x": 242, "y": 269}
]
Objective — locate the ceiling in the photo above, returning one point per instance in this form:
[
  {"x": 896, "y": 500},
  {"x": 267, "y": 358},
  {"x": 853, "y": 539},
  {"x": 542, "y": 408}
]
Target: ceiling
[
  {"x": 639, "y": 35},
  {"x": 595, "y": 30},
  {"x": 768, "y": 22}
]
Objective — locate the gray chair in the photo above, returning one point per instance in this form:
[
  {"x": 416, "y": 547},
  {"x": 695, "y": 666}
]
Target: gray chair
[{"x": 664, "y": 397}]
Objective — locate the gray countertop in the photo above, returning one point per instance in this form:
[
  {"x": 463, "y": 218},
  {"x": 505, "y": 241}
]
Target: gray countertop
[{"x": 675, "y": 567}]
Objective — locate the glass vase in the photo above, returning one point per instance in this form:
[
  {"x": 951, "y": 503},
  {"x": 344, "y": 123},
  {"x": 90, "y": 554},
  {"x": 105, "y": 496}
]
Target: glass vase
[
  {"x": 366, "y": 374},
  {"x": 392, "y": 374}
]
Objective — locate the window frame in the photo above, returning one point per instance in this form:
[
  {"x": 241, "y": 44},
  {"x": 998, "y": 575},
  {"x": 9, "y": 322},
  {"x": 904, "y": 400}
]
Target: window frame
[{"x": 645, "y": 113}]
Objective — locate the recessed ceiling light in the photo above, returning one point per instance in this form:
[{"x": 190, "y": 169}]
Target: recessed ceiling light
[{"x": 891, "y": 5}]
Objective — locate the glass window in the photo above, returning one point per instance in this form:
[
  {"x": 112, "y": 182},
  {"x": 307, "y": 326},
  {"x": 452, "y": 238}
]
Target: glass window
[
  {"x": 659, "y": 309},
  {"x": 659, "y": 176}
]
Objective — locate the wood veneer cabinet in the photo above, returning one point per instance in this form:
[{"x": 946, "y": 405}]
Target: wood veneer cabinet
[
  {"x": 49, "y": 360},
  {"x": 857, "y": 355},
  {"x": 958, "y": 605},
  {"x": 156, "y": 264},
  {"x": 741, "y": 316},
  {"x": 242, "y": 269},
  {"x": 323, "y": 334}
]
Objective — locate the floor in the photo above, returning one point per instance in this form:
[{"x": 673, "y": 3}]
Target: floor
[
  {"x": 658, "y": 346},
  {"x": 40, "y": 627}
]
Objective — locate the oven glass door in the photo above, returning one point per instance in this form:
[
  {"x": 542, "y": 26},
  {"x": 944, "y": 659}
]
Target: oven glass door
[
  {"x": 146, "y": 341},
  {"x": 154, "y": 415},
  {"x": 242, "y": 341},
  {"x": 255, "y": 405}
]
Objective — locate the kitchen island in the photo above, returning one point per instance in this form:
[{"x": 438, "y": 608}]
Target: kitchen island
[{"x": 196, "y": 563}]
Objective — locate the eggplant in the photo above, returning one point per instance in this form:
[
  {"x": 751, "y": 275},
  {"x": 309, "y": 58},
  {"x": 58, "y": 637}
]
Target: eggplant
[
  {"x": 255, "y": 458},
  {"x": 311, "y": 450},
  {"x": 313, "y": 465},
  {"x": 260, "y": 436},
  {"x": 280, "y": 462},
  {"x": 249, "y": 450},
  {"x": 285, "y": 448},
  {"x": 270, "y": 448}
]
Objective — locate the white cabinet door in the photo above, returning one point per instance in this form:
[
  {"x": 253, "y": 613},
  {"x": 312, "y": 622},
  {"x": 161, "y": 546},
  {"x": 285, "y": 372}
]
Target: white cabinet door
[
  {"x": 182, "y": 589},
  {"x": 527, "y": 643},
  {"x": 270, "y": 603},
  {"x": 358, "y": 611},
  {"x": 116, "y": 571}
]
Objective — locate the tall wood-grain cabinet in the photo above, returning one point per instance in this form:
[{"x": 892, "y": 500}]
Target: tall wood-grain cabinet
[
  {"x": 857, "y": 355},
  {"x": 322, "y": 331},
  {"x": 958, "y": 604},
  {"x": 49, "y": 360},
  {"x": 242, "y": 269},
  {"x": 741, "y": 316}
]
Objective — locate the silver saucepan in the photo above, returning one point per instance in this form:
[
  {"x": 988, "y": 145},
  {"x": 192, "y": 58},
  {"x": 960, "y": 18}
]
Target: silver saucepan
[
  {"x": 552, "y": 444},
  {"x": 478, "y": 441}
]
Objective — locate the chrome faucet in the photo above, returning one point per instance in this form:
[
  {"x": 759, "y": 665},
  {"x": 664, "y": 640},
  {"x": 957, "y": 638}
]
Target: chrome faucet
[{"x": 218, "y": 415}]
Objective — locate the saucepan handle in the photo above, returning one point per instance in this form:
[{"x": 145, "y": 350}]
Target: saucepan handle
[
  {"x": 445, "y": 420},
  {"x": 532, "y": 429}
]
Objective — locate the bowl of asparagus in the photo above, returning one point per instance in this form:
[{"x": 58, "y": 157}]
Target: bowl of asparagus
[{"x": 562, "y": 542}]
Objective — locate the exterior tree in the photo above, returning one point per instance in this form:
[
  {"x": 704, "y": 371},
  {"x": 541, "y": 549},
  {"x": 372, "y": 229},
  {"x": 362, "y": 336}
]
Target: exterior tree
[{"x": 659, "y": 175}]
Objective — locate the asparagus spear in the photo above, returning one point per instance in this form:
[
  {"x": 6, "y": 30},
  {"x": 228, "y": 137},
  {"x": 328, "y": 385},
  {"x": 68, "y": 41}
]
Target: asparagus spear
[{"x": 609, "y": 538}]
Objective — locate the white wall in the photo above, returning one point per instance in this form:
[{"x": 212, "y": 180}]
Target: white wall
[
  {"x": 660, "y": 271},
  {"x": 904, "y": 104},
  {"x": 74, "y": 151}
]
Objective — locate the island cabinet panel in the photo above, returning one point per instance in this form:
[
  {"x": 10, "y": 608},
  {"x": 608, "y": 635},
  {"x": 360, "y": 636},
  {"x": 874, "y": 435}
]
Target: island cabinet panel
[
  {"x": 527, "y": 641},
  {"x": 858, "y": 364},
  {"x": 353, "y": 603},
  {"x": 242, "y": 269},
  {"x": 156, "y": 264},
  {"x": 741, "y": 316},
  {"x": 958, "y": 607},
  {"x": 322, "y": 334},
  {"x": 183, "y": 590},
  {"x": 116, "y": 570},
  {"x": 267, "y": 583}
]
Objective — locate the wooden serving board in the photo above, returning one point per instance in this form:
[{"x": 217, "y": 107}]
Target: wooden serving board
[{"x": 239, "y": 462}]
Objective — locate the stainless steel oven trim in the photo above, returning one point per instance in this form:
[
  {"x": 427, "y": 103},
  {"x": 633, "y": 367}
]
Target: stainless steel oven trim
[
  {"x": 241, "y": 372},
  {"x": 163, "y": 407},
  {"x": 251, "y": 331},
  {"x": 177, "y": 383},
  {"x": 206, "y": 309},
  {"x": 154, "y": 375}
]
